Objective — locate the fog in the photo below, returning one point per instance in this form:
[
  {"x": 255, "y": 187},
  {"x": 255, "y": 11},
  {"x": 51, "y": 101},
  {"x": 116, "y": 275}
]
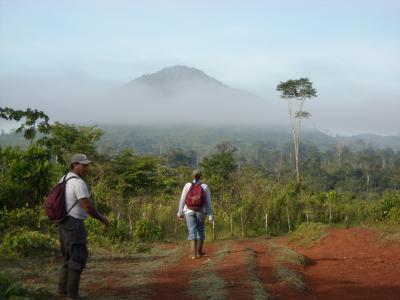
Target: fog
[
  {"x": 77, "y": 98},
  {"x": 179, "y": 102},
  {"x": 76, "y": 61}
]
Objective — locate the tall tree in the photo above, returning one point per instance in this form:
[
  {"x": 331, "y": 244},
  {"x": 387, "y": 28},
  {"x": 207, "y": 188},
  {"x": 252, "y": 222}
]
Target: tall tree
[{"x": 296, "y": 92}]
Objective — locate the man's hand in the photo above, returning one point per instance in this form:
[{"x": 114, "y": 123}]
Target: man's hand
[{"x": 91, "y": 211}]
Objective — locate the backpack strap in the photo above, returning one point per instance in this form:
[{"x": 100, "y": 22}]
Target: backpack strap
[{"x": 76, "y": 202}]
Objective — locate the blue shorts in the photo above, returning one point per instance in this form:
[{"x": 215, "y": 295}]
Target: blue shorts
[{"x": 195, "y": 224}]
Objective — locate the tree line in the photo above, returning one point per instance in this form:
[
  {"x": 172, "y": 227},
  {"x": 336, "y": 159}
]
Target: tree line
[{"x": 253, "y": 193}]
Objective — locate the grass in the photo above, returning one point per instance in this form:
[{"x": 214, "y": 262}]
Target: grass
[
  {"x": 290, "y": 277},
  {"x": 387, "y": 233},
  {"x": 308, "y": 234},
  {"x": 284, "y": 254},
  {"x": 259, "y": 292},
  {"x": 113, "y": 275},
  {"x": 109, "y": 274},
  {"x": 205, "y": 283},
  {"x": 286, "y": 257},
  {"x": 11, "y": 289}
]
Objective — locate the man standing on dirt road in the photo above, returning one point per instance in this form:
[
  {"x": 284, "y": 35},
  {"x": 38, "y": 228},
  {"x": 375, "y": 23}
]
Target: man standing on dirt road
[
  {"x": 194, "y": 205},
  {"x": 72, "y": 229}
]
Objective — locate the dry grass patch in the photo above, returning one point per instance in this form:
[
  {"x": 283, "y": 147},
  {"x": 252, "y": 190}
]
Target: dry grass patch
[
  {"x": 291, "y": 277},
  {"x": 308, "y": 234},
  {"x": 205, "y": 282},
  {"x": 387, "y": 233},
  {"x": 259, "y": 292},
  {"x": 286, "y": 255}
]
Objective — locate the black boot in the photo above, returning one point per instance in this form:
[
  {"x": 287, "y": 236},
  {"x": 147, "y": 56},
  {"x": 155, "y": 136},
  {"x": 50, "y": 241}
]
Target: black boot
[
  {"x": 62, "y": 282},
  {"x": 74, "y": 277}
]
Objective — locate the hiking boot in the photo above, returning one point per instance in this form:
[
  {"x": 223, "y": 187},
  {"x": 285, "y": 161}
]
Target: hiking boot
[
  {"x": 200, "y": 251},
  {"x": 62, "y": 283},
  {"x": 74, "y": 277}
]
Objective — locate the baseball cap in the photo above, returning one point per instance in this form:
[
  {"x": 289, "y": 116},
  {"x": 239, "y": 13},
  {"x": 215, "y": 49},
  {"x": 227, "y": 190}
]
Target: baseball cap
[{"x": 80, "y": 158}]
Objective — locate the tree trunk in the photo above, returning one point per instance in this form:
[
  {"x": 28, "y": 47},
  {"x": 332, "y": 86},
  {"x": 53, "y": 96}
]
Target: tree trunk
[
  {"x": 176, "y": 229},
  {"x": 266, "y": 223},
  {"x": 368, "y": 181},
  {"x": 231, "y": 224},
  {"x": 213, "y": 229},
  {"x": 130, "y": 224},
  {"x": 280, "y": 164},
  {"x": 288, "y": 219},
  {"x": 241, "y": 222}
]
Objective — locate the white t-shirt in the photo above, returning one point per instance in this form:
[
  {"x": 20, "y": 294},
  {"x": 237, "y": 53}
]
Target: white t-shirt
[{"x": 75, "y": 189}]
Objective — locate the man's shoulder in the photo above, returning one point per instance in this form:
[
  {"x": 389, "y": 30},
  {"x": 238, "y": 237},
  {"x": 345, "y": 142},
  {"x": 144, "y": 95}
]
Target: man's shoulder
[{"x": 74, "y": 179}]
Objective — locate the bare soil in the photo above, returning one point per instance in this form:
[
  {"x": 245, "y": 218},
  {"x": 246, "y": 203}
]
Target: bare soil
[{"x": 347, "y": 264}]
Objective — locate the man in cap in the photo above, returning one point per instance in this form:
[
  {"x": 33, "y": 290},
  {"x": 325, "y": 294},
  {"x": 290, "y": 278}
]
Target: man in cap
[
  {"x": 72, "y": 229},
  {"x": 194, "y": 205}
]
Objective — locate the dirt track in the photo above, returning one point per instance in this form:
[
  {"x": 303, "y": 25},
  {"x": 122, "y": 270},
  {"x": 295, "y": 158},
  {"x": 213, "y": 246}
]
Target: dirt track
[{"x": 347, "y": 264}]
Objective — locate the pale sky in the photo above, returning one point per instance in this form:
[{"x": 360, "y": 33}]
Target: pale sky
[{"x": 349, "y": 49}]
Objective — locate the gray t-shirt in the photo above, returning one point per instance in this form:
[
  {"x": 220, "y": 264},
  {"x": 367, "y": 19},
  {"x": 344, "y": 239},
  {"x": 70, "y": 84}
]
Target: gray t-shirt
[{"x": 75, "y": 189}]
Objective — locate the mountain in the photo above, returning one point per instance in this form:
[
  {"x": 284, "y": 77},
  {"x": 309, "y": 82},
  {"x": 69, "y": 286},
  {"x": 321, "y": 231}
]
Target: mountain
[
  {"x": 181, "y": 95},
  {"x": 176, "y": 75}
]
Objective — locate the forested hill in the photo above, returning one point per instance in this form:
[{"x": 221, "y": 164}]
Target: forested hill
[
  {"x": 202, "y": 139},
  {"x": 153, "y": 140}
]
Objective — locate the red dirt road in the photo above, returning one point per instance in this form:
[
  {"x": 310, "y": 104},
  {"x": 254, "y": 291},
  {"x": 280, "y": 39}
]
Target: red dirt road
[
  {"x": 350, "y": 264},
  {"x": 347, "y": 264}
]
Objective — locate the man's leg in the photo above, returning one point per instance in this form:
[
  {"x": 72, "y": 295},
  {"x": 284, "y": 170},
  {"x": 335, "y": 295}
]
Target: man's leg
[
  {"x": 74, "y": 248},
  {"x": 191, "y": 221},
  {"x": 200, "y": 233},
  {"x": 193, "y": 249},
  {"x": 74, "y": 277},
  {"x": 63, "y": 275},
  {"x": 200, "y": 251},
  {"x": 62, "y": 281}
]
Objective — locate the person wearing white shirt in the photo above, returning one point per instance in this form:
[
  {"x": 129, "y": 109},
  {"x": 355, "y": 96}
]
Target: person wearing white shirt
[
  {"x": 73, "y": 237},
  {"x": 195, "y": 215}
]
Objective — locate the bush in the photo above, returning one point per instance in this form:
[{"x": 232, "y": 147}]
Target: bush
[
  {"x": 387, "y": 209},
  {"x": 21, "y": 217},
  {"x": 394, "y": 215},
  {"x": 148, "y": 232},
  {"x": 117, "y": 232},
  {"x": 23, "y": 242}
]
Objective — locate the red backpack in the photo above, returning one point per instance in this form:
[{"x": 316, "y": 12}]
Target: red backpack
[
  {"x": 195, "y": 197},
  {"x": 54, "y": 205}
]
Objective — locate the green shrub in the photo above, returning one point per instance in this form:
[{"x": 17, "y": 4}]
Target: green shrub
[
  {"x": 24, "y": 242},
  {"x": 148, "y": 232},
  {"x": 18, "y": 218},
  {"x": 387, "y": 209},
  {"x": 394, "y": 215},
  {"x": 116, "y": 232}
]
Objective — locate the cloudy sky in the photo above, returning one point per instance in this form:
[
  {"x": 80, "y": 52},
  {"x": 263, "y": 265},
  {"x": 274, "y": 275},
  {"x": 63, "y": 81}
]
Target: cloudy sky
[{"x": 349, "y": 49}]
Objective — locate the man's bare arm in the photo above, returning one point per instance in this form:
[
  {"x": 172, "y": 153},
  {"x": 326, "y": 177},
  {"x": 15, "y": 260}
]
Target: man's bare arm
[{"x": 91, "y": 211}]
